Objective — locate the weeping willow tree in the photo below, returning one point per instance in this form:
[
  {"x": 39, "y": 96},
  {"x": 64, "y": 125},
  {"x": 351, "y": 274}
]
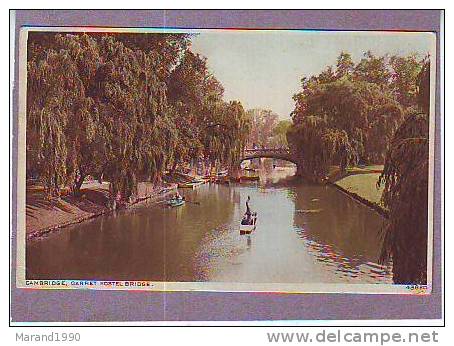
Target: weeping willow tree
[
  {"x": 133, "y": 107},
  {"x": 240, "y": 127},
  {"x": 318, "y": 147},
  {"x": 97, "y": 106},
  {"x": 122, "y": 107},
  {"x": 209, "y": 128},
  {"x": 55, "y": 95},
  {"x": 366, "y": 113},
  {"x": 405, "y": 180},
  {"x": 83, "y": 126},
  {"x": 225, "y": 135},
  {"x": 362, "y": 103},
  {"x": 188, "y": 92}
]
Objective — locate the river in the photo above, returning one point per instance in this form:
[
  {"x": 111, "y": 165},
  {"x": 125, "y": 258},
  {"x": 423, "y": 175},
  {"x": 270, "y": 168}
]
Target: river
[{"x": 305, "y": 234}]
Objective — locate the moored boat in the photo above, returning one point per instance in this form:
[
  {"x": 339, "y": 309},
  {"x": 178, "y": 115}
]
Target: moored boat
[
  {"x": 222, "y": 173},
  {"x": 190, "y": 185},
  {"x": 249, "y": 178}
]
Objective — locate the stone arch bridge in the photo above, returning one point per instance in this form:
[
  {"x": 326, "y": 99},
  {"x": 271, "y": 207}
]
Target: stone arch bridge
[{"x": 279, "y": 154}]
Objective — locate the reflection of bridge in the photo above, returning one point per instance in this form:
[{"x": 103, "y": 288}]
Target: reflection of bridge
[{"x": 280, "y": 154}]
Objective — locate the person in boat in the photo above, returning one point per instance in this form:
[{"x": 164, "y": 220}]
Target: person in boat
[
  {"x": 177, "y": 196},
  {"x": 247, "y": 219},
  {"x": 248, "y": 206}
]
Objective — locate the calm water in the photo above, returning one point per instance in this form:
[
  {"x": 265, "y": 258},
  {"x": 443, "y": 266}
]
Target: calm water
[{"x": 305, "y": 233}]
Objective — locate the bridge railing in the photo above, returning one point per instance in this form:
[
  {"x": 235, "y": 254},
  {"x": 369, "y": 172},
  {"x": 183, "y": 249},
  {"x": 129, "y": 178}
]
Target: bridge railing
[
  {"x": 277, "y": 153},
  {"x": 267, "y": 151}
]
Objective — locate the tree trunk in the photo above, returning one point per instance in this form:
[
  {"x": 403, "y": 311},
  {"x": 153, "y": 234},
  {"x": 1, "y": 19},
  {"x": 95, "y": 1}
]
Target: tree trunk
[
  {"x": 56, "y": 186},
  {"x": 174, "y": 167},
  {"x": 78, "y": 184},
  {"x": 299, "y": 170}
]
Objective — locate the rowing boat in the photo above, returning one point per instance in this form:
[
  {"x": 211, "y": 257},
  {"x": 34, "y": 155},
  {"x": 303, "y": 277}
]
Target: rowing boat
[
  {"x": 175, "y": 202},
  {"x": 222, "y": 173},
  {"x": 248, "y": 228}
]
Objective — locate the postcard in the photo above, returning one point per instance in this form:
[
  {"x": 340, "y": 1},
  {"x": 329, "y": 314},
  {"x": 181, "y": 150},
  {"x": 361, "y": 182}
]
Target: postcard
[{"x": 226, "y": 160}]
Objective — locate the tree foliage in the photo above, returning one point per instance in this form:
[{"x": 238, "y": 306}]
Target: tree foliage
[
  {"x": 279, "y": 138},
  {"x": 376, "y": 111},
  {"x": 405, "y": 179},
  {"x": 361, "y": 104},
  {"x": 263, "y": 123},
  {"x": 123, "y": 107}
]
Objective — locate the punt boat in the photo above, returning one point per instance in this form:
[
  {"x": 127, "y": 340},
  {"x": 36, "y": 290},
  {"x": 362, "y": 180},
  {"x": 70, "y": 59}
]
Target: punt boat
[
  {"x": 248, "y": 228},
  {"x": 190, "y": 185}
]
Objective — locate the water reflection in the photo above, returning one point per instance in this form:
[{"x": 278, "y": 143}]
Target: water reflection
[
  {"x": 340, "y": 233},
  {"x": 304, "y": 234}
]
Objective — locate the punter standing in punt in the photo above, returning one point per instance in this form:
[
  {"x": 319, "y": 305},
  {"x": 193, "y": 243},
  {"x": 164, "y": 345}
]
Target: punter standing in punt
[
  {"x": 248, "y": 207},
  {"x": 248, "y": 214}
]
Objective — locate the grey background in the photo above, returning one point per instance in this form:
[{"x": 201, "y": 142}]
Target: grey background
[{"x": 86, "y": 305}]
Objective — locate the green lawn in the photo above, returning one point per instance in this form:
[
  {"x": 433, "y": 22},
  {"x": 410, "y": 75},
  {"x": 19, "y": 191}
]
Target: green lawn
[
  {"x": 366, "y": 169},
  {"x": 362, "y": 181},
  {"x": 364, "y": 185}
]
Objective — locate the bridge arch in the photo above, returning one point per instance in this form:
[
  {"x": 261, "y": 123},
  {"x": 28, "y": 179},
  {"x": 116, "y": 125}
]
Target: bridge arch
[{"x": 279, "y": 154}]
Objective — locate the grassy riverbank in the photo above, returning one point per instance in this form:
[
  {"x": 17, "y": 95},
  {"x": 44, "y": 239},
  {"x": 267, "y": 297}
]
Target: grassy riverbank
[
  {"x": 44, "y": 215},
  {"x": 361, "y": 184}
]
